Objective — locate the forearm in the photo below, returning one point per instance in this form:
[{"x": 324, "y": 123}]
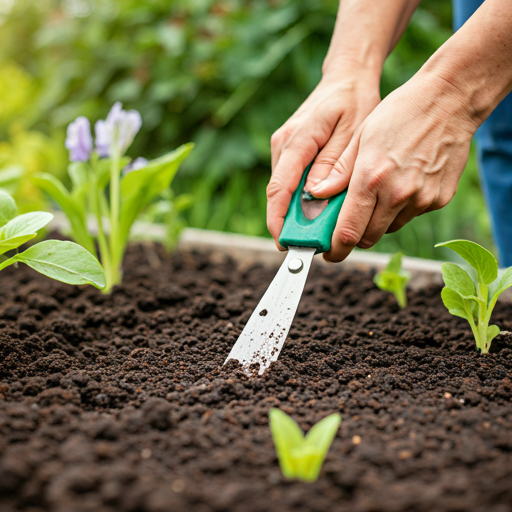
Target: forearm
[
  {"x": 365, "y": 33},
  {"x": 475, "y": 65}
]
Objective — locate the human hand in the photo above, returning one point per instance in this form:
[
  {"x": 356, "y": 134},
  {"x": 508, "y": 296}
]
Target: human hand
[
  {"x": 405, "y": 159},
  {"x": 325, "y": 122}
]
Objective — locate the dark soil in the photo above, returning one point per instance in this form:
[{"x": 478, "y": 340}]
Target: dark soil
[{"x": 121, "y": 403}]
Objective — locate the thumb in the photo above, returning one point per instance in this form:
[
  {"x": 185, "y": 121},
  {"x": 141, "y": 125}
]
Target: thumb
[{"x": 340, "y": 174}]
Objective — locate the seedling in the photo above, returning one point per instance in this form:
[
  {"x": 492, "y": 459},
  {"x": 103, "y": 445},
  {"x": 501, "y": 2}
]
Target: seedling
[
  {"x": 301, "y": 457},
  {"x": 474, "y": 298},
  {"x": 63, "y": 261},
  {"x": 394, "y": 279},
  {"x": 108, "y": 186}
]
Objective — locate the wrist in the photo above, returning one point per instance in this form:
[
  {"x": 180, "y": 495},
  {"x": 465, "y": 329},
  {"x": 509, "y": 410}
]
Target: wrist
[{"x": 351, "y": 68}]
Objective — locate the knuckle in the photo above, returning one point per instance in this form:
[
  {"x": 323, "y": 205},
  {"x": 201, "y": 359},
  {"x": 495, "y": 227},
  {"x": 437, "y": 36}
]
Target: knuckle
[
  {"x": 338, "y": 167},
  {"x": 375, "y": 179},
  {"x": 365, "y": 243},
  {"x": 349, "y": 236},
  {"x": 273, "y": 188}
]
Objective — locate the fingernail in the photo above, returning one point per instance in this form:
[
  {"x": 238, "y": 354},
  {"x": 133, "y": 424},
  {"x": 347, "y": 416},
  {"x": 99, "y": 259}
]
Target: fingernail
[{"x": 317, "y": 189}]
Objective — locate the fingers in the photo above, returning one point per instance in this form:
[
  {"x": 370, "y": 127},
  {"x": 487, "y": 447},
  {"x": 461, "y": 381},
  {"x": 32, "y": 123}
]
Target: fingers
[
  {"x": 285, "y": 179},
  {"x": 339, "y": 175},
  {"x": 355, "y": 215},
  {"x": 327, "y": 159}
]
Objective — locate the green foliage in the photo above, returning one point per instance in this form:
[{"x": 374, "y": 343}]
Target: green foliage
[
  {"x": 63, "y": 261},
  {"x": 225, "y": 75},
  {"x": 300, "y": 456},
  {"x": 394, "y": 279},
  {"x": 87, "y": 197},
  {"x": 474, "y": 298}
]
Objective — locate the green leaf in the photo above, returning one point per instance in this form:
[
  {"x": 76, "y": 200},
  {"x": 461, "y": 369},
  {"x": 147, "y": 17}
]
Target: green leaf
[
  {"x": 15, "y": 242},
  {"x": 76, "y": 216},
  {"x": 503, "y": 282},
  {"x": 140, "y": 187},
  {"x": 455, "y": 304},
  {"x": 8, "y": 208},
  {"x": 478, "y": 257},
  {"x": 64, "y": 261},
  {"x": 287, "y": 437},
  {"x": 492, "y": 332},
  {"x": 319, "y": 439},
  {"x": 26, "y": 224},
  {"x": 458, "y": 279},
  {"x": 395, "y": 263}
]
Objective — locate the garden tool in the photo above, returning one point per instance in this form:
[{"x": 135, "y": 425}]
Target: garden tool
[{"x": 307, "y": 230}]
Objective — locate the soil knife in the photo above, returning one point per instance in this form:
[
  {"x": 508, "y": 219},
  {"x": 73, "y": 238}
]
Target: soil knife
[{"x": 304, "y": 236}]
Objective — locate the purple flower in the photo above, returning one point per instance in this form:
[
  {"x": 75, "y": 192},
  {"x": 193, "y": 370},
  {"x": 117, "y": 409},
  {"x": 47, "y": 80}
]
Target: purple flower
[
  {"x": 137, "y": 164},
  {"x": 79, "y": 140},
  {"x": 116, "y": 133}
]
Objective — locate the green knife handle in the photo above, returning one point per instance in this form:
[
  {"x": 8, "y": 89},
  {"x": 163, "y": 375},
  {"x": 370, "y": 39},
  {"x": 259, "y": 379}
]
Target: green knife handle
[{"x": 299, "y": 231}]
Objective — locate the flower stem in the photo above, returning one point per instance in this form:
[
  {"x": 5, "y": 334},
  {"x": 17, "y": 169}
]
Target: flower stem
[{"x": 115, "y": 200}]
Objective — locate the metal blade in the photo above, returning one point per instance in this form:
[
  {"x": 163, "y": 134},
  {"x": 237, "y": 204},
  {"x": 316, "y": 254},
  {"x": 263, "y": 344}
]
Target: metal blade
[{"x": 263, "y": 337}]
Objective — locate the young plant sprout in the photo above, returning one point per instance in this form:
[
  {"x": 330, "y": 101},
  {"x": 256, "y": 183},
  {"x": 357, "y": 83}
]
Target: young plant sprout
[
  {"x": 108, "y": 186},
  {"x": 301, "y": 457},
  {"x": 474, "y": 298},
  {"x": 394, "y": 279},
  {"x": 63, "y": 261}
]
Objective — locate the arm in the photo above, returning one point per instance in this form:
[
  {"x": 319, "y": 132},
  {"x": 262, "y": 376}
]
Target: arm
[
  {"x": 408, "y": 155},
  {"x": 365, "y": 32}
]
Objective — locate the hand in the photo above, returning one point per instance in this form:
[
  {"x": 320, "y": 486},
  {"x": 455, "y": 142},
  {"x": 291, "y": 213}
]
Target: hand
[
  {"x": 326, "y": 121},
  {"x": 405, "y": 159}
]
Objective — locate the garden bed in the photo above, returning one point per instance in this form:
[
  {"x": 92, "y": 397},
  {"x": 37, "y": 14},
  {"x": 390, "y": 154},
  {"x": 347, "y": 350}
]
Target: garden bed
[{"x": 121, "y": 402}]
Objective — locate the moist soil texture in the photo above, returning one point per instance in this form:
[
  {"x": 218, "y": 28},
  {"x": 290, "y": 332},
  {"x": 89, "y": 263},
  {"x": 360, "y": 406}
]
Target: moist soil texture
[{"x": 122, "y": 402}]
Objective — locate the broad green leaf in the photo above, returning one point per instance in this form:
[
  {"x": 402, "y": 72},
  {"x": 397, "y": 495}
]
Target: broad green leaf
[
  {"x": 395, "y": 263},
  {"x": 14, "y": 242},
  {"x": 503, "y": 282},
  {"x": 287, "y": 437},
  {"x": 8, "y": 208},
  {"x": 78, "y": 173},
  {"x": 458, "y": 279},
  {"x": 64, "y": 261},
  {"x": 478, "y": 257},
  {"x": 492, "y": 332},
  {"x": 455, "y": 304},
  {"x": 76, "y": 216},
  {"x": 140, "y": 187},
  {"x": 26, "y": 224}
]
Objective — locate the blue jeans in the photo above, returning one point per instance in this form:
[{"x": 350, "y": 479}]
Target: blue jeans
[{"x": 494, "y": 151}]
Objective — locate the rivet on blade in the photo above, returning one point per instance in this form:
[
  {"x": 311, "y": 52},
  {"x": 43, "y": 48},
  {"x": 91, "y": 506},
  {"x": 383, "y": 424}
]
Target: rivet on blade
[{"x": 295, "y": 265}]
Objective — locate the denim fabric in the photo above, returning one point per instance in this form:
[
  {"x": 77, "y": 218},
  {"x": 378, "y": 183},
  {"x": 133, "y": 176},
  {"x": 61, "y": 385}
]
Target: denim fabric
[{"x": 494, "y": 151}]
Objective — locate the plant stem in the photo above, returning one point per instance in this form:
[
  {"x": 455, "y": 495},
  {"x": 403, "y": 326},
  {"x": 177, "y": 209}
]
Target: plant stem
[
  {"x": 401, "y": 297},
  {"x": 115, "y": 200},
  {"x": 106, "y": 259},
  {"x": 481, "y": 343}
]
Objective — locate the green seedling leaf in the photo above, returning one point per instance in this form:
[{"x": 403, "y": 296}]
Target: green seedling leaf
[
  {"x": 455, "y": 304},
  {"x": 479, "y": 258},
  {"x": 302, "y": 457},
  {"x": 76, "y": 216},
  {"x": 26, "y": 224},
  {"x": 287, "y": 437},
  {"x": 474, "y": 300},
  {"x": 15, "y": 242},
  {"x": 458, "y": 279},
  {"x": 64, "y": 261},
  {"x": 394, "y": 279},
  {"x": 140, "y": 187},
  {"x": 8, "y": 208}
]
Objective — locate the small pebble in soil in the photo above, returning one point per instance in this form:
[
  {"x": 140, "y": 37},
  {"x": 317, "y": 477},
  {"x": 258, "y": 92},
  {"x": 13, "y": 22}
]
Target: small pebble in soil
[
  {"x": 263, "y": 312},
  {"x": 146, "y": 453},
  {"x": 356, "y": 440},
  {"x": 178, "y": 486},
  {"x": 447, "y": 395},
  {"x": 404, "y": 454}
]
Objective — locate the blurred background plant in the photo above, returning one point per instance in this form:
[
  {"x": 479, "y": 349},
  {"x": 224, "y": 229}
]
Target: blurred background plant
[{"x": 221, "y": 73}]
